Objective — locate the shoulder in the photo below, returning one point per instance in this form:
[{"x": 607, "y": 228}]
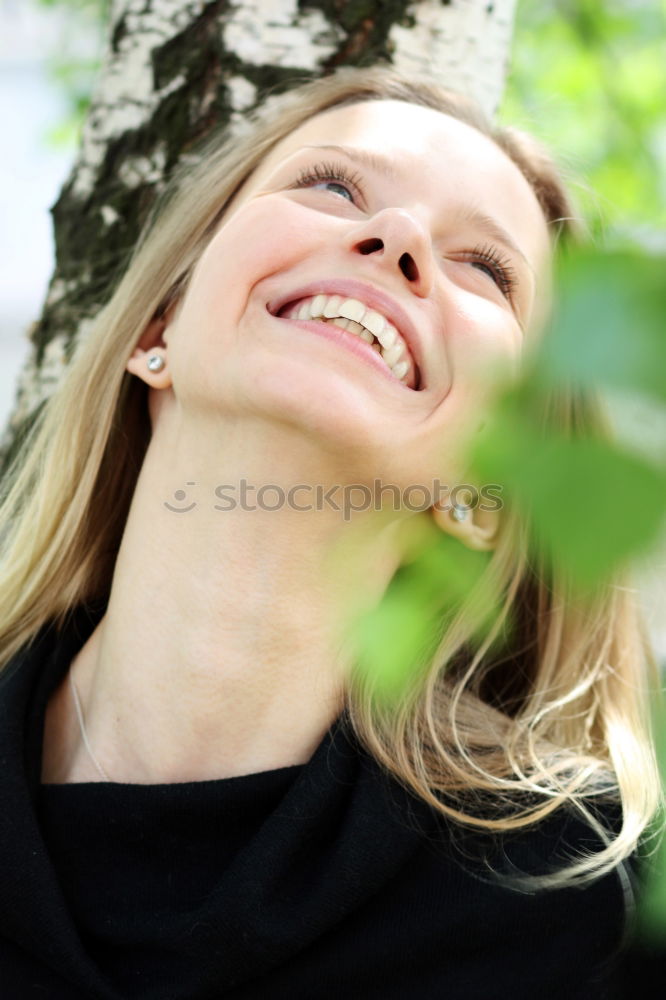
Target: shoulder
[{"x": 477, "y": 900}]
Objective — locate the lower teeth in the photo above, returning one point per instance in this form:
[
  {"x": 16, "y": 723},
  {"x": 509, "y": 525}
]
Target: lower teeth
[{"x": 376, "y": 346}]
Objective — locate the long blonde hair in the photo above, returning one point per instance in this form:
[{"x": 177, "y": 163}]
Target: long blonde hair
[{"x": 577, "y": 722}]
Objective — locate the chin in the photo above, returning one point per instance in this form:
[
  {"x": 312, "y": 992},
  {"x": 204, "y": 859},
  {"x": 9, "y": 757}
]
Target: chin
[{"x": 325, "y": 405}]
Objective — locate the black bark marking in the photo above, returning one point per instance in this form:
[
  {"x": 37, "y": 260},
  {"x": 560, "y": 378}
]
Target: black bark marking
[
  {"x": 366, "y": 25},
  {"x": 119, "y": 32}
]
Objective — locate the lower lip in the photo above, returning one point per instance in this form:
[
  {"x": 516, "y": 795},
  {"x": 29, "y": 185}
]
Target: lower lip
[{"x": 360, "y": 348}]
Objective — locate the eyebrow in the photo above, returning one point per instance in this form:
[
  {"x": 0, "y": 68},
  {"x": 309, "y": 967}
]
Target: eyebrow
[
  {"x": 377, "y": 162},
  {"x": 492, "y": 229},
  {"x": 383, "y": 165}
]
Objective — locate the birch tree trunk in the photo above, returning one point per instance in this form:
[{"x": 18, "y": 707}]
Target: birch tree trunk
[{"x": 176, "y": 69}]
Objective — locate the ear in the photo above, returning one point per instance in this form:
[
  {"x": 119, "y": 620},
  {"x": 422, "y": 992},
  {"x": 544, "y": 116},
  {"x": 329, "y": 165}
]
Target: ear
[
  {"x": 476, "y": 528},
  {"x": 149, "y": 360}
]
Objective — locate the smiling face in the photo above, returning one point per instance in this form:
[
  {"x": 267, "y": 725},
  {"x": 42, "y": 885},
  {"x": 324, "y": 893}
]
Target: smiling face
[{"x": 379, "y": 259}]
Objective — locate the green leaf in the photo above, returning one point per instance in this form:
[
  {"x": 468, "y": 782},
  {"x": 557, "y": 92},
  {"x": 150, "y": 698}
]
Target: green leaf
[
  {"x": 610, "y": 323},
  {"x": 397, "y": 639},
  {"x": 592, "y": 504}
]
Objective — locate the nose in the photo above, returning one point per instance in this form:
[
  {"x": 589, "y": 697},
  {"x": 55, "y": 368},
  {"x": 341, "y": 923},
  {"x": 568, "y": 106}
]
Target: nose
[{"x": 400, "y": 242}]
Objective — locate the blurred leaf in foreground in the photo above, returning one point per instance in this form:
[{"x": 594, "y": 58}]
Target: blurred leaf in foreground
[
  {"x": 592, "y": 504},
  {"x": 610, "y": 323},
  {"x": 397, "y": 638}
]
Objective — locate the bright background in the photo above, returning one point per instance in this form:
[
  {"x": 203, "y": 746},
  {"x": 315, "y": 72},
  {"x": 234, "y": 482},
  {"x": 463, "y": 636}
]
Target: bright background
[{"x": 36, "y": 103}]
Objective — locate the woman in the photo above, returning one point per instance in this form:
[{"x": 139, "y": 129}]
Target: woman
[{"x": 205, "y": 802}]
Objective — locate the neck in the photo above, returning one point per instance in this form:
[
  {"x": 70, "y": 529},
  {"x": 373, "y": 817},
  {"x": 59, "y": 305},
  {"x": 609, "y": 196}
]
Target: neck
[{"x": 225, "y": 645}]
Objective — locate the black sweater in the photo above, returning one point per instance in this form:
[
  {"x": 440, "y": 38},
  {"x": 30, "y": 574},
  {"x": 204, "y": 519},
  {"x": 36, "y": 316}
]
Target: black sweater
[{"x": 315, "y": 882}]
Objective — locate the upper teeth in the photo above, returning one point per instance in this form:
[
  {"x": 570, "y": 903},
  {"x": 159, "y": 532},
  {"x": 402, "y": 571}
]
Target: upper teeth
[{"x": 352, "y": 315}]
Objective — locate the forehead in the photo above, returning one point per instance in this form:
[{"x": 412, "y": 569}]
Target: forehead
[{"x": 438, "y": 160}]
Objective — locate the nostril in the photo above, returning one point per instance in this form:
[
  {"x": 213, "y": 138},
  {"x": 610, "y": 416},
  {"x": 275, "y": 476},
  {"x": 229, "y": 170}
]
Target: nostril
[
  {"x": 408, "y": 267},
  {"x": 370, "y": 246}
]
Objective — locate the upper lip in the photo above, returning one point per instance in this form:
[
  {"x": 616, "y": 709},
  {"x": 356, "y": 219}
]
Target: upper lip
[{"x": 370, "y": 296}]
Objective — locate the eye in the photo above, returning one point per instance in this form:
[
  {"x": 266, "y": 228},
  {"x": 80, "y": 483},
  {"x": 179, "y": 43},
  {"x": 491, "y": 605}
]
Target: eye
[
  {"x": 341, "y": 189},
  {"x": 489, "y": 260},
  {"x": 336, "y": 177}
]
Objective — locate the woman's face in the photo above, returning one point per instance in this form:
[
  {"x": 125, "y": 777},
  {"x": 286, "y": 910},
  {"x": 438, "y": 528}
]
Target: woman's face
[{"x": 405, "y": 221}]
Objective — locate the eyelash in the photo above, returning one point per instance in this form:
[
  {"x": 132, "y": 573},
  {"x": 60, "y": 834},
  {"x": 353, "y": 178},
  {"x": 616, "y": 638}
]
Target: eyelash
[
  {"x": 502, "y": 273},
  {"x": 335, "y": 172}
]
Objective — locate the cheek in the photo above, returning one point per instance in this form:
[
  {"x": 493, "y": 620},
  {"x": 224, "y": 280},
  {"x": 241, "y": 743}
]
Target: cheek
[
  {"x": 484, "y": 344},
  {"x": 484, "y": 338},
  {"x": 265, "y": 237},
  {"x": 260, "y": 239},
  {"x": 256, "y": 241}
]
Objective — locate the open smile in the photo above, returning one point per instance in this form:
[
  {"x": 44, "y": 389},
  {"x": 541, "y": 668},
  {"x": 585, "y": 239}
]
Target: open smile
[{"x": 357, "y": 325}]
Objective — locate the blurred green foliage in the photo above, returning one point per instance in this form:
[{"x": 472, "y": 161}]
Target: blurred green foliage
[
  {"x": 589, "y": 78},
  {"x": 398, "y": 638},
  {"x": 610, "y": 319},
  {"x": 594, "y": 503}
]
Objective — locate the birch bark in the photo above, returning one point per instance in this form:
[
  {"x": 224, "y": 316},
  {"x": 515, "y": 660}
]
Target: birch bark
[{"x": 176, "y": 69}]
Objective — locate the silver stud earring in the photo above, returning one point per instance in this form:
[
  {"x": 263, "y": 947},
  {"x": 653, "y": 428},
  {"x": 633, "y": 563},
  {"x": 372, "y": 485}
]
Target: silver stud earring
[
  {"x": 155, "y": 363},
  {"x": 459, "y": 513}
]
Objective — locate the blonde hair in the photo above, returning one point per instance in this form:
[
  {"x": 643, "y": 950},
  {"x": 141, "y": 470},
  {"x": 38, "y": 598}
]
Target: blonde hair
[{"x": 574, "y": 723}]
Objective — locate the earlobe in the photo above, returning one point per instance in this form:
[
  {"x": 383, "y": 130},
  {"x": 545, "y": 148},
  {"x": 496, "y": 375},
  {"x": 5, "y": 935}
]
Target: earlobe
[
  {"x": 475, "y": 528},
  {"x": 149, "y": 359},
  {"x": 151, "y": 367}
]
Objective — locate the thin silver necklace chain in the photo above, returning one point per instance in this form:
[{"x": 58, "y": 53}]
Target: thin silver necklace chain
[{"x": 82, "y": 726}]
